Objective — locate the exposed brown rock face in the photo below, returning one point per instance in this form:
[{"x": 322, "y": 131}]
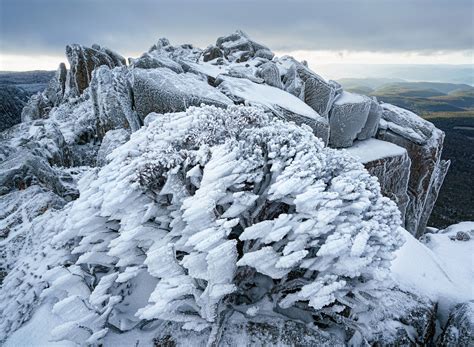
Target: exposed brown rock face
[
  {"x": 83, "y": 60},
  {"x": 424, "y": 143}
]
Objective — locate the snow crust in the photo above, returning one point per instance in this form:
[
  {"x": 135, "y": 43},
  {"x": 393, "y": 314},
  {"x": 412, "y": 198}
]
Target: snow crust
[
  {"x": 269, "y": 96},
  {"x": 440, "y": 269},
  {"x": 373, "y": 149}
]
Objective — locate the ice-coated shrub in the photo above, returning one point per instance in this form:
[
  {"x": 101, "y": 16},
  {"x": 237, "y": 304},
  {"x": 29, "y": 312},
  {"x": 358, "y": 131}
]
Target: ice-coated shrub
[{"x": 213, "y": 210}]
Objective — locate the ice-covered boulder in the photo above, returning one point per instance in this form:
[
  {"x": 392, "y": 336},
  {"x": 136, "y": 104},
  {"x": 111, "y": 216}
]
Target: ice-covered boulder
[
  {"x": 239, "y": 47},
  {"x": 112, "y": 97},
  {"x": 347, "y": 117},
  {"x": 424, "y": 143},
  {"x": 212, "y": 52},
  {"x": 300, "y": 81},
  {"x": 270, "y": 74},
  {"x": 390, "y": 164},
  {"x": 282, "y": 104},
  {"x": 111, "y": 140},
  {"x": 372, "y": 124},
  {"x": 154, "y": 60},
  {"x": 459, "y": 330},
  {"x": 82, "y": 61},
  {"x": 162, "y": 90},
  {"x": 24, "y": 169}
]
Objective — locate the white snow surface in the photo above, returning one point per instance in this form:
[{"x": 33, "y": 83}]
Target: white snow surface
[
  {"x": 269, "y": 96},
  {"x": 350, "y": 98},
  {"x": 373, "y": 149},
  {"x": 442, "y": 269}
]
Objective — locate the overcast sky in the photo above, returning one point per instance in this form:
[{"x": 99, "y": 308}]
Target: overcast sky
[{"x": 33, "y": 33}]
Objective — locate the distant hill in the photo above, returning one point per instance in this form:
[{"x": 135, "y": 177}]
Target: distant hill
[
  {"x": 421, "y": 97},
  {"x": 15, "y": 90}
]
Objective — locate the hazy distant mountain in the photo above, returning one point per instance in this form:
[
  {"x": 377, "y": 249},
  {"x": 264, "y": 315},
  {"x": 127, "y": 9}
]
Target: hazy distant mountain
[{"x": 431, "y": 73}]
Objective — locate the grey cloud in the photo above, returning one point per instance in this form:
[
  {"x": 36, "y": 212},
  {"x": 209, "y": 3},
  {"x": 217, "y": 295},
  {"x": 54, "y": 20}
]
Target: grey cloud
[{"x": 46, "y": 26}]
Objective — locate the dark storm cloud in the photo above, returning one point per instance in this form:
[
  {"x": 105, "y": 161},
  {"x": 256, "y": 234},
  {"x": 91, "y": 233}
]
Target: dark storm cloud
[{"x": 46, "y": 26}]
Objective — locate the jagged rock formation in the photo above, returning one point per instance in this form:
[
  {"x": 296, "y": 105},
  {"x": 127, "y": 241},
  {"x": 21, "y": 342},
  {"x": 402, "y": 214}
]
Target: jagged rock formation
[
  {"x": 83, "y": 61},
  {"x": 72, "y": 129},
  {"x": 424, "y": 143}
]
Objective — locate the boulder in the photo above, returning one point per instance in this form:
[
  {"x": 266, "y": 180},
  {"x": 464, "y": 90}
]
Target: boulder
[
  {"x": 390, "y": 164},
  {"x": 82, "y": 61},
  {"x": 424, "y": 143},
  {"x": 300, "y": 81},
  {"x": 161, "y": 43},
  {"x": 270, "y": 74},
  {"x": 111, "y": 140},
  {"x": 373, "y": 119},
  {"x": 212, "y": 52},
  {"x": 348, "y": 116},
  {"x": 399, "y": 319},
  {"x": 162, "y": 90},
  {"x": 239, "y": 47},
  {"x": 24, "y": 169},
  {"x": 264, "y": 54},
  {"x": 112, "y": 98},
  {"x": 459, "y": 330},
  {"x": 154, "y": 60},
  {"x": 282, "y": 104}
]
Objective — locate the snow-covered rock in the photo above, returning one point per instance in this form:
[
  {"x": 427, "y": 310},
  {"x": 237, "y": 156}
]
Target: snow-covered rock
[
  {"x": 424, "y": 143},
  {"x": 284, "y": 105},
  {"x": 162, "y": 90},
  {"x": 300, "y": 81},
  {"x": 390, "y": 164},
  {"x": 82, "y": 61},
  {"x": 459, "y": 330},
  {"x": 239, "y": 47},
  {"x": 348, "y": 116},
  {"x": 112, "y": 97}
]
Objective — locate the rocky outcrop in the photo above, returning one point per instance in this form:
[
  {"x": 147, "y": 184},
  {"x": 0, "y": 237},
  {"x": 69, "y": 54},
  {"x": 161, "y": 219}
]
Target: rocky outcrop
[
  {"x": 112, "y": 97},
  {"x": 162, "y": 90},
  {"x": 154, "y": 60},
  {"x": 300, "y": 81},
  {"x": 347, "y": 118},
  {"x": 41, "y": 104},
  {"x": 270, "y": 74},
  {"x": 82, "y": 61},
  {"x": 212, "y": 52},
  {"x": 390, "y": 164},
  {"x": 282, "y": 104},
  {"x": 239, "y": 47},
  {"x": 372, "y": 124},
  {"x": 424, "y": 143},
  {"x": 459, "y": 330}
]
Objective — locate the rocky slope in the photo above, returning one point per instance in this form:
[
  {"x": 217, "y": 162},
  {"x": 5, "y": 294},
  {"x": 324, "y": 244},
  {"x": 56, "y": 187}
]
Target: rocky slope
[{"x": 69, "y": 130}]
